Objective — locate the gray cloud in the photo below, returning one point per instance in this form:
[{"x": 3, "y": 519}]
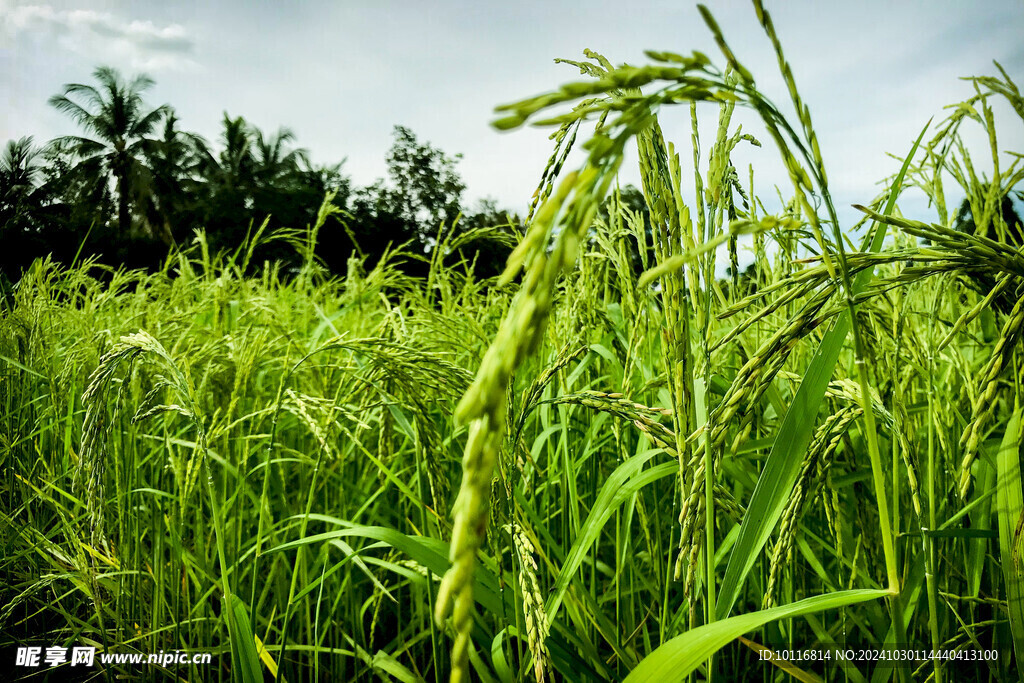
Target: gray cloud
[
  {"x": 141, "y": 44},
  {"x": 341, "y": 74}
]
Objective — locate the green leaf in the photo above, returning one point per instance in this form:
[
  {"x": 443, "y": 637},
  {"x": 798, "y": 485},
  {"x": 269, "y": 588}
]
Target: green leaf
[
  {"x": 619, "y": 487},
  {"x": 433, "y": 554},
  {"x": 384, "y": 662},
  {"x": 430, "y": 552},
  {"x": 498, "y": 659},
  {"x": 1010, "y": 506},
  {"x": 981, "y": 520},
  {"x": 677, "y": 658},
  {"x": 243, "y": 644},
  {"x": 24, "y": 368}
]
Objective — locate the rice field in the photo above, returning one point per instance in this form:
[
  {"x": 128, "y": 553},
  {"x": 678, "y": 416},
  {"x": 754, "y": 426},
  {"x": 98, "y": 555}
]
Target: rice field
[{"x": 612, "y": 463}]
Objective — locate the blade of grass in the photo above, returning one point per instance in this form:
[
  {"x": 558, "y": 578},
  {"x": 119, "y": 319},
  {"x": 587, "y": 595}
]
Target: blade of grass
[
  {"x": 243, "y": 643},
  {"x": 782, "y": 664},
  {"x": 677, "y": 658},
  {"x": 1010, "y": 506},
  {"x": 433, "y": 554},
  {"x": 620, "y": 486}
]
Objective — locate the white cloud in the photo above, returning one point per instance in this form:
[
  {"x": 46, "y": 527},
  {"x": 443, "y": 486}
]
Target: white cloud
[{"x": 102, "y": 36}]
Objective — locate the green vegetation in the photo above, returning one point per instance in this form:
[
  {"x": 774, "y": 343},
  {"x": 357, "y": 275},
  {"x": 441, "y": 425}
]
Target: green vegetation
[
  {"x": 605, "y": 464},
  {"x": 134, "y": 185}
]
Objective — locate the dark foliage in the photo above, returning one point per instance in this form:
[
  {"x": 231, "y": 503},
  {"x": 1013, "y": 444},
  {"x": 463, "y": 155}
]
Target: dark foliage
[{"x": 134, "y": 187}]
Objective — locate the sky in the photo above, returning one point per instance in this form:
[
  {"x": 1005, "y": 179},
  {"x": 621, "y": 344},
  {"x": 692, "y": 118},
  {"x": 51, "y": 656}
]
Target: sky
[{"x": 341, "y": 75}]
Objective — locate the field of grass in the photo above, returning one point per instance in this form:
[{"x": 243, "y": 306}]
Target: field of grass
[{"x": 610, "y": 464}]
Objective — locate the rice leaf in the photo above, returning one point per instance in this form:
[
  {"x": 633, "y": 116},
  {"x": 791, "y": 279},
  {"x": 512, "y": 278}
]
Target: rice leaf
[
  {"x": 243, "y": 643},
  {"x": 783, "y": 665},
  {"x": 626, "y": 480},
  {"x": 677, "y": 658},
  {"x": 1010, "y": 506},
  {"x": 433, "y": 554},
  {"x": 981, "y": 520}
]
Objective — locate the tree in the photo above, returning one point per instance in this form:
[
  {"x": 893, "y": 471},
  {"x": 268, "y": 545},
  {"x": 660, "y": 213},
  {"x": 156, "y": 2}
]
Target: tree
[
  {"x": 77, "y": 194},
  {"x": 115, "y": 116},
  {"x": 256, "y": 177},
  {"x": 20, "y": 208},
  {"x": 19, "y": 182},
  {"x": 422, "y": 190},
  {"x": 1011, "y": 231},
  {"x": 169, "y": 197},
  {"x": 274, "y": 162},
  {"x": 490, "y": 246},
  {"x": 424, "y": 187},
  {"x": 1005, "y": 227},
  {"x": 280, "y": 179},
  {"x": 228, "y": 177}
]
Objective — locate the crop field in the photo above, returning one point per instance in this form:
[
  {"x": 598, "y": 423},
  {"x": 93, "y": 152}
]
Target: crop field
[{"x": 625, "y": 459}]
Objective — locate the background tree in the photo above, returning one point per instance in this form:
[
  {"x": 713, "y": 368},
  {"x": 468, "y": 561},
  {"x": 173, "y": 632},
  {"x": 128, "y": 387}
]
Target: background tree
[
  {"x": 169, "y": 197},
  {"x": 257, "y": 177},
  {"x": 1005, "y": 226},
  {"x": 490, "y": 251},
  {"x": 20, "y": 204},
  {"x": 134, "y": 184},
  {"x": 228, "y": 178},
  {"x": 279, "y": 178},
  {"x": 424, "y": 188},
  {"x": 78, "y": 200},
  {"x": 19, "y": 180},
  {"x": 115, "y": 117}
]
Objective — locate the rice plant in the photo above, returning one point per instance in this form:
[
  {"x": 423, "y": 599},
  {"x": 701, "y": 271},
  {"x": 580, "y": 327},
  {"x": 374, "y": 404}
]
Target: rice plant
[{"x": 610, "y": 463}]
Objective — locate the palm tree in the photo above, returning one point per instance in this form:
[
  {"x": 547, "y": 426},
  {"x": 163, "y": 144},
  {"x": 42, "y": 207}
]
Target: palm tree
[
  {"x": 282, "y": 179},
  {"x": 250, "y": 160},
  {"x": 274, "y": 162},
  {"x": 173, "y": 162},
  {"x": 253, "y": 175},
  {"x": 115, "y": 117},
  {"x": 19, "y": 176},
  {"x": 229, "y": 175},
  {"x": 228, "y": 180}
]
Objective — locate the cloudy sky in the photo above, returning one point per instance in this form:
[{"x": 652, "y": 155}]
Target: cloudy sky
[{"x": 342, "y": 74}]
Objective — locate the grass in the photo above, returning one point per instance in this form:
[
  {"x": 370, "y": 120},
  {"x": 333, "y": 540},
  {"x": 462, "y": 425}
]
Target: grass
[{"x": 584, "y": 470}]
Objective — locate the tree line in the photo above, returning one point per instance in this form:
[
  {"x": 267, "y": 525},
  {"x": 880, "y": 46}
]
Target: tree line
[{"x": 132, "y": 185}]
